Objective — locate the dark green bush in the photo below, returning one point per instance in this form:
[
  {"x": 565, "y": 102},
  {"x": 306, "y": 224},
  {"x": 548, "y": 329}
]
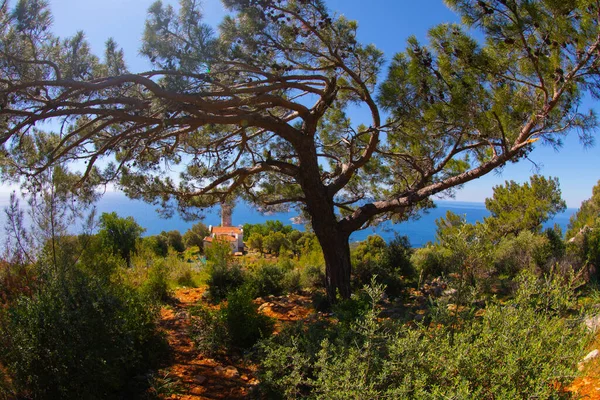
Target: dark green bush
[
  {"x": 397, "y": 257},
  {"x": 383, "y": 273},
  {"x": 389, "y": 263},
  {"x": 78, "y": 337},
  {"x": 222, "y": 279},
  {"x": 237, "y": 325},
  {"x": 292, "y": 281},
  {"x": 267, "y": 280},
  {"x": 313, "y": 277},
  {"x": 245, "y": 325},
  {"x": 557, "y": 246},
  {"x": 208, "y": 330}
]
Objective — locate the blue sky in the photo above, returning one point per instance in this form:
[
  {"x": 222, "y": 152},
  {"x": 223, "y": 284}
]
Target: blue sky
[{"x": 387, "y": 24}]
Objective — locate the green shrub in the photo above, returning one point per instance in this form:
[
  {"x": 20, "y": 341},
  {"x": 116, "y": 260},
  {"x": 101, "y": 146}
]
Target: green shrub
[
  {"x": 552, "y": 293},
  {"x": 382, "y": 270},
  {"x": 292, "y": 281},
  {"x": 78, "y": 337},
  {"x": 557, "y": 246},
  {"x": 513, "y": 351},
  {"x": 180, "y": 272},
  {"x": 431, "y": 261},
  {"x": 267, "y": 280},
  {"x": 97, "y": 258},
  {"x": 245, "y": 325},
  {"x": 397, "y": 257},
  {"x": 208, "y": 330},
  {"x": 186, "y": 279},
  {"x": 222, "y": 279},
  {"x": 156, "y": 286},
  {"x": 525, "y": 251},
  {"x": 313, "y": 276}
]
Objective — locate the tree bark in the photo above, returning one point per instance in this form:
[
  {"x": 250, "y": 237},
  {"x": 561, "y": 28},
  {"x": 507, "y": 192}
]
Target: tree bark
[
  {"x": 333, "y": 240},
  {"x": 334, "y": 243},
  {"x": 338, "y": 267}
]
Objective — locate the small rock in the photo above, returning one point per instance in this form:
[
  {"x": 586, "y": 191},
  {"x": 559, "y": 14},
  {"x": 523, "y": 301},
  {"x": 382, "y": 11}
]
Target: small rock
[
  {"x": 419, "y": 317},
  {"x": 199, "y": 379},
  {"x": 449, "y": 292},
  {"x": 591, "y": 355},
  {"x": 593, "y": 323},
  {"x": 265, "y": 305},
  {"x": 231, "y": 372}
]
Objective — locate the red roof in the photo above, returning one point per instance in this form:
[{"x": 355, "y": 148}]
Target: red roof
[{"x": 225, "y": 230}]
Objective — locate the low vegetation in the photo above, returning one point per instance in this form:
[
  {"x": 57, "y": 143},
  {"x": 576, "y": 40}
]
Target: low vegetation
[{"x": 480, "y": 313}]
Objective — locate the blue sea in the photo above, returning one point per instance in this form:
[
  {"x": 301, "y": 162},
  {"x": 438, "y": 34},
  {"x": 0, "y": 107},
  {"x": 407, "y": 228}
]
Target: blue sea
[{"x": 419, "y": 231}]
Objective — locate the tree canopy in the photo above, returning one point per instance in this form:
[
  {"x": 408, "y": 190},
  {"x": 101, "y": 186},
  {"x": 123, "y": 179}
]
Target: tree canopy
[
  {"x": 587, "y": 215},
  {"x": 519, "y": 207},
  {"x": 261, "y": 107},
  {"x": 120, "y": 234}
]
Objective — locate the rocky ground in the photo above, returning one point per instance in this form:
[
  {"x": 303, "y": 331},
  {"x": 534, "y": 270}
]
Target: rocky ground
[
  {"x": 587, "y": 386},
  {"x": 192, "y": 376}
]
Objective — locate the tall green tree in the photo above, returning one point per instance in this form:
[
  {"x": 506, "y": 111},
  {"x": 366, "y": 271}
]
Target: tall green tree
[
  {"x": 195, "y": 235},
  {"x": 120, "y": 234},
  {"x": 260, "y": 109},
  {"x": 175, "y": 240},
  {"x": 523, "y": 207},
  {"x": 587, "y": 215}
]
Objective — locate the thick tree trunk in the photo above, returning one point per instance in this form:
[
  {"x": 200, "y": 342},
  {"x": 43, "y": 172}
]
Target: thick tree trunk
[
  {"x": 336, "y": 249},
  {"x": 320, "y": 207},
  {"x": 337, "y": 264}
]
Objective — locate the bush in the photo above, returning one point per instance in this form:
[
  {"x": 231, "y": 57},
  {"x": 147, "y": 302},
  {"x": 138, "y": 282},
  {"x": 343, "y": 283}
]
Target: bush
[
  {"x": 313, "y": 277},
  {"x": 208, "y": 330},
  {"x": 292, "y": 282},
  {"x": 431, "y": 261},
  {"x": 267, "y": 280},
  {"x": 513, "y": 351},
  {"x": 78, "y": 337},
  {"x": 245, "y": 325},
  {"x": 397, "y": 257},
  {"x": 525, "y": 251},
  {"x": 186, "y": 279},
  {"x": 156, "y": 287},
  {"x": 222, "y": 279},
  {"x": 382, "y": 270}
]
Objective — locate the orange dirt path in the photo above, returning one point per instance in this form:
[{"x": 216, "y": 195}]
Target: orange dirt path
[{"x": 201, "y": 377}]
